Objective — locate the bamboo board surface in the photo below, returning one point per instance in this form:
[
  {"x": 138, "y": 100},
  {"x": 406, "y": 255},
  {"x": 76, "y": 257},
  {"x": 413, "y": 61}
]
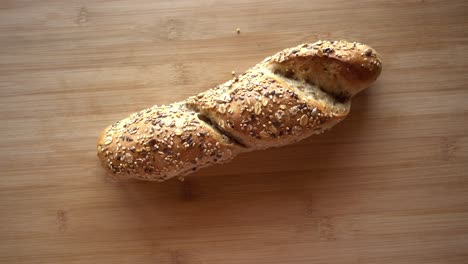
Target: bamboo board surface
[{"x": 387, "y": 185}]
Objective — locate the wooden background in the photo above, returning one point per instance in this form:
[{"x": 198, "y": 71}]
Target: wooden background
[{"x": 388, "y": 185}]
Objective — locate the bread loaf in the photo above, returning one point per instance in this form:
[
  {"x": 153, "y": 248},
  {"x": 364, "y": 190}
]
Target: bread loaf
[{"x": 287, "y": 97}]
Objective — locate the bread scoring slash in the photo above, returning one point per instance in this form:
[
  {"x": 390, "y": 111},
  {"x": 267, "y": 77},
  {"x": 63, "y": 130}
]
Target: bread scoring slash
[{"x": 289, "y": 96}]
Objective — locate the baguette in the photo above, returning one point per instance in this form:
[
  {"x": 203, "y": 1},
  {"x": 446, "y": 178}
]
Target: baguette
[{"x": 287, "y": 97}]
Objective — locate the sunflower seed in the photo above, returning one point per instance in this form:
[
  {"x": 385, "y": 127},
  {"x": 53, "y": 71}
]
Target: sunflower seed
[
  {"x": 273, "y": 129},
  {"x": 304, "y": 120},
  {"x": 128, "y": 158},
  {"x": 296, "y": 130}
]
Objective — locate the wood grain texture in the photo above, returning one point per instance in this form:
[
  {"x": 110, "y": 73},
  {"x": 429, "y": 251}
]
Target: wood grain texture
[{"x": 388, "y": 185}]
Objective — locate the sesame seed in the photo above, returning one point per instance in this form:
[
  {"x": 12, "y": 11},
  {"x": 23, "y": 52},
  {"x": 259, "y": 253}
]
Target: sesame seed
[
  {"x": 108, "y": 141},
  {"x": 222, "y": 108},
  {"x": 257, "y": 108}
]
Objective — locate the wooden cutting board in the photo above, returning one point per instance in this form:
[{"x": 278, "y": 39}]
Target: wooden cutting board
[{"x": 388, "y": 185}]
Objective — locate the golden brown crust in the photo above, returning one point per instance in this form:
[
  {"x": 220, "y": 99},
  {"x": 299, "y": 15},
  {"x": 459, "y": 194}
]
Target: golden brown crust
[
  {"x": 341, "y": 68},
  {"x": 162, "y": 142},
  {"x": 293, "y": 94},
  {"x": 261, "y": 110}
]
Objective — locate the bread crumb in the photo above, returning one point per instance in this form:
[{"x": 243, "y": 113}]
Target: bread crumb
[
  {"x": 238, "y": 30},
  {"x": 233, "y": 73}
]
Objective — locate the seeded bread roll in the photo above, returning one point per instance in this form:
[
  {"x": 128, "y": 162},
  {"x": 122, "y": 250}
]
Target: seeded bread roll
[{"x": 287, "y": 97}]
